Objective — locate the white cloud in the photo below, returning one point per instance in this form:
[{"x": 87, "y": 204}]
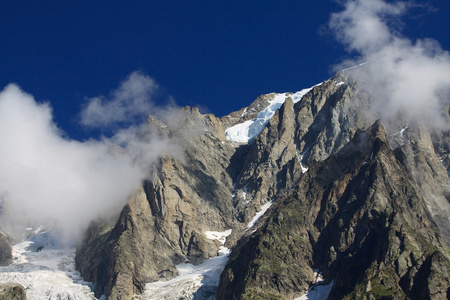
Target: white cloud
[
  {"x": 403, "y": 75},
  {"x": 132, "y": 102},
  {"x": 363, "y": 26},
  {"x": 49, "y": 178}
]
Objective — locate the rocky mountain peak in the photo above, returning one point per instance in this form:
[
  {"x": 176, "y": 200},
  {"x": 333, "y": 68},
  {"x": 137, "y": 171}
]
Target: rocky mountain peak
[
  {"x": 323, "y": 184},
  {"x": 343, "y": 217},
  {"x": 248, "y": 113}
]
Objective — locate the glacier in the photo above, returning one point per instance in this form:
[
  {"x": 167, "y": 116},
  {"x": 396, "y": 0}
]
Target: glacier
[
  {"x": 46, "y": 269},
  {"x": 247, "y": 131}
]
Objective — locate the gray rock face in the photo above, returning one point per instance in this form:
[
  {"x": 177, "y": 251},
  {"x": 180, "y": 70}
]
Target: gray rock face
[
  {"x": 5, "y": 250},
  {"x": 164, "y": 224},
  {"x": 265, "y": 168},
  {"x": 430, "y": 173},
  {"x": 298, "y": 136},
  {"x": 119, "y": 259},
  {"x": 365, "y": 203},
  {"x": 327, "y": 119}
]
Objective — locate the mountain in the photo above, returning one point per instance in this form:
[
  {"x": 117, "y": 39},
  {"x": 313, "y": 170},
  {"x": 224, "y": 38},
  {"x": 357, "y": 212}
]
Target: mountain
[
  {"x": 164, "y": 223},
  {"x": 358, "y": 218},
  {"x": 311, "y": 192},
  {"x": 364, "y": 202}
]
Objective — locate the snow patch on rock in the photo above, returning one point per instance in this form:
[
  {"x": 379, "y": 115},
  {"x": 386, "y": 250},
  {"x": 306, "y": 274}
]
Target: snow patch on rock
[
  {"x": 247, "y": 131},
  {"x": 319, "y": 290},
  {"x": 263, "y": 210}
]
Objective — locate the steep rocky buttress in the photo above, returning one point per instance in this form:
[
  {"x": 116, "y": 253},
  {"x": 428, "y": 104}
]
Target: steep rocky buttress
[
  {"x": 364, "y": 202},
  {"x": 164, "y": 223}
]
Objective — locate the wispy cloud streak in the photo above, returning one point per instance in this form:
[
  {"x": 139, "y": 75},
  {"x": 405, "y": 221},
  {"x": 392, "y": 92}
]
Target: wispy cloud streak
[{"x": 129, "y": 104}]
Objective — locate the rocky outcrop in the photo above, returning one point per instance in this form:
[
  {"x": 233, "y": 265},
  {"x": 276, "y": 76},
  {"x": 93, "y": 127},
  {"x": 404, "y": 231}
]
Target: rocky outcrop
[
  {"x": 5, "y": 250},
  {"x": 328, "y": 117},
  {"x": 12, "y": 291},
  {"x": 123, "y": 262},
  {"x": 265, "y": 169},
  {"x": 359, "y": 218},
  {"x": 247, "y": 113}
]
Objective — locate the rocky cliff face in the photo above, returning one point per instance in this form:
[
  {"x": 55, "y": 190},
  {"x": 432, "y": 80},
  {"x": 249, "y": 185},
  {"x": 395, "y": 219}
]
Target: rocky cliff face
[
  {"x": 365, "y": 202},
  {"x": 164, "y": 223},
  {"x": 358, "y": 219},
  {"x": 5, "y": 250}
]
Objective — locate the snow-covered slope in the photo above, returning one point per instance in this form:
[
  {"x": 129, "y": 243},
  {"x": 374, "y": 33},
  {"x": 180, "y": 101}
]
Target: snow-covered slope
[
  {"x": 46, "y": 270},
  {"x": 259, "y": 214},
  {"x": 247, "y": 131},
  {"x": 193, "y": 282}
]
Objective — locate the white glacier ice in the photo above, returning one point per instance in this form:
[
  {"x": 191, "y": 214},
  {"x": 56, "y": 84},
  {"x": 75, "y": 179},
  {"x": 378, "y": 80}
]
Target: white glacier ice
[
  {"x": 46, "y": 270},
  {"x": 247, "y": 131}
]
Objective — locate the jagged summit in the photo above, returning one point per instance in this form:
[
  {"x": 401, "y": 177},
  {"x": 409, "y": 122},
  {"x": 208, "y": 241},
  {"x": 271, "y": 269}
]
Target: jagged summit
[
  {"x": 247, "y": 123},
  {"x": 356, "y": 218}
]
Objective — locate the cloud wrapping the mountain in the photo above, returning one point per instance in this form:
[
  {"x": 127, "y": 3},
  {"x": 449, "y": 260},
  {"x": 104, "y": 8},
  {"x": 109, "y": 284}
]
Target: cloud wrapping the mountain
[
  {"x": 48, "y": 178},
  {"x": 404, "y": 76},
  {"x": 129, "y": 104}
]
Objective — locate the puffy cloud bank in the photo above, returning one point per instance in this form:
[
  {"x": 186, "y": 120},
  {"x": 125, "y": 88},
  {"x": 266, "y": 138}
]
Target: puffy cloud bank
[
  {"x": 404, "y": 76},
  {"x": 49, "y": 178}
]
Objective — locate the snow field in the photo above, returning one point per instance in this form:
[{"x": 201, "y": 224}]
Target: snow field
[
  {"x": 48, "y": 273},
  {"x": 199, "y": 282},
  {"x": 247, "y": 131}
]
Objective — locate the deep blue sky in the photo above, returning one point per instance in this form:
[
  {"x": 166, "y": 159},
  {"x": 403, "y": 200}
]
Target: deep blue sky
[{"x": 219, "y": 55}]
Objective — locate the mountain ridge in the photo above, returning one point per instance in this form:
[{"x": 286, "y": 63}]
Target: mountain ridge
[
  {"x": 237, "y": 179},
  {"x": 322, "y": 183}
]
